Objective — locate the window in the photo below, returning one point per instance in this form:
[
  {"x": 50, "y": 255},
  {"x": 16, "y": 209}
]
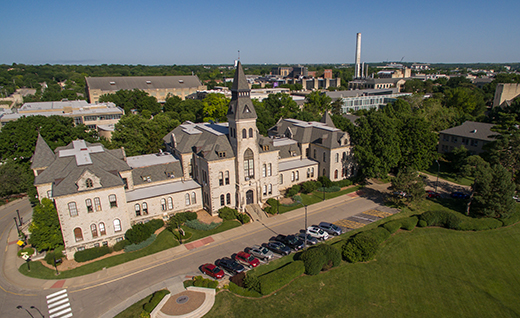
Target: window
[
  {"x": 308, "y": 173},
  {"x": 220, "y": 178},
  {"x": 324, "y": 157},
  {"x": 264, "y": 189},
  {"x": 474, "y": 143},
  {"x": 193, "y": 198},
  {"x": 88, "y": 183},
  {"x": 49, "y": 194},
  {"x": 314, "y": 153},
  {"x": 228, "y": 198},
  {"x": 264, "y": 170},
  {"x": 137, "y": 210},
  {"x": 297, "y": 175},
  {"x": 324, "y": 172},
  {"x": 222, "y": 203},
  {"x": 292, "y": 176},
  {"x": 249, "y": 166},
  {"x": 145, "y": 208},
  {"x": 72, "y": 209},
  {"x": 270, "y": 189},
  {"x": 226, "y": 175},
  {"x": 244, "y": 133},
  {"x": 312, "y": 172},
  {"x": 163, "y": 204},
  {"x": 187, "y": 198},
  {"x": 105, "y": 243},
  {"x": 337, "y": 157},
  {"x": 344, "y": 156},
  {"x": 170, "y": 203},
  {"x": 125, "y": 181},
  {"x": 445, "y": 138},
  {"x": 102, "y": 230},
  {"x": 281, "y": 178},
  {"x": 88, "y": 203},
  {"x": 93, "y": 229},
  {"x": 97, "y": 245},
  {"x": 113, "y": 201},
  {"x": 97, "y": 204},
  {"x": 78, "y": 234},
  {"x": 336, "y": 174},
  {"x": 117, "y": 225},
  {"x": 454, "y": 139},
  {"x": 269, "y": 169},
  {"x": 250, "y": 132}
]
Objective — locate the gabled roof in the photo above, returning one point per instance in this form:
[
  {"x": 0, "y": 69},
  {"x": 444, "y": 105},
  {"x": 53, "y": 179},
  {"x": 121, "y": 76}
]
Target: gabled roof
[
  {"x": 473, "y": 130},
  {"x": 43, "y": 155},
  {"x": 308, "y": 132}
]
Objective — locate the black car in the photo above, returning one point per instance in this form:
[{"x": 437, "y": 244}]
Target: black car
[
  {"x": 278, "y": 248},
  {"x": 290, "y": 240},
  {"x": 310, "y": 240},
  {"x": 230, "y": 265}
]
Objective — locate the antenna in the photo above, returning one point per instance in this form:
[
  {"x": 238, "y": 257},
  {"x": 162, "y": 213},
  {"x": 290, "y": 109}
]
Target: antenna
[{"x": 239, "y": 55}]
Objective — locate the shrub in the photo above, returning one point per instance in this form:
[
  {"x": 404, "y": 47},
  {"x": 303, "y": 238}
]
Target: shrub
[
  {"x": 292, "y": 191},
  {"x": 91, "y": 253},
  {"x": 178, "y": 219},
  {"x": 441, "y": 218},
  {"x": 310, "y": 186},
  {"x": 143, "y": 244},
  {"x": 51, "y": 255},
  {"x": 155, "y": 300},
  {"x": 330, "y": 189},
  {"x": 271, "y": 210},
  {"x": 197, "y": 225},
  {"x": 325, "y": 181},
  {"x": 227, "y": 213},
  {"x": 252, "y": 282},
  {"x": 361, "y": 248},
  {"x": 512, "y": 219},
  {"x": 28, "y": 250},
  {"x": 343, "y": 183},
  {"x": 238, "y": 279},
  {"x": 121, "y": 245},
  {"x": 278, "y": 278},
  {"x": 273, "y": 202},
  {"x": 319, "y": 258},
  {"x": 138, "y": 233},
  {"x": 243, "y": 291},
  {"x": 243, "y": 218},
  {"x": 392, "y": 226},
  {"x": 409, "y": 223},
  {"x": 379, "y": 234},
  {"x": 422, "y": 223},
  {"x": 471, "y": 224},
  {"x": 156, "y": 224},
  {"x": 199, "y": 281}
]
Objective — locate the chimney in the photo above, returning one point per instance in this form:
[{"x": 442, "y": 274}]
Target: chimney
[{"x": 358, "y": 70}]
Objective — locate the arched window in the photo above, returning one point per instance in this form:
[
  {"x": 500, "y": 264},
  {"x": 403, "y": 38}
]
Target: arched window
[
  {"x": 297, "y": 175},
  {"x": 220, "y": 178},
  {"x": 163, "y": 204},
  {"x": 264, "y": 170},
  {"x": 250, "y": 132},
  {"x": 222, "y": 203},
  {"x": 88, "y": 183},
  {"x": 292, "y": 176},
  {"x": 187, "y": 198},
  {"x": 228, "y": 198},
  {"x": 226, "y": 175},
  {"x": 308, "y": 173},
  {"x": 324, "y": 157},
  {"x": 244, "y": 133},
  {"x": 97, "y": 204},
  {"x": 344, "y": 156},
  {"x": 117, "y": 225},
  {"x": 249, "y": 166},
  {"x": 73, "y": 210},
  {"x": 324, "y": 172},
  {"x": 170, "y": 203},
  {"x": 93, "y": 229},
  {"x": 312, "y": 172},
  {"x": 269, "y": 169},
  {"x": 102, "y": 230},
  {"x": 336, "y": 174},
  {"x": 337, "y": 157},
  {"x": 137, "y": 209},
  {"x": 264, "y": 189},
  {"x": 145, "y": 208},
  {"x": 78, "y": 234},
  {"x": 281, "y": 178},
  {"x": 270, "y": 189},
  {"x": 193, "y": 198},
  {"x": 88, "y": 203},
  {"x": 113, "y": 200}
]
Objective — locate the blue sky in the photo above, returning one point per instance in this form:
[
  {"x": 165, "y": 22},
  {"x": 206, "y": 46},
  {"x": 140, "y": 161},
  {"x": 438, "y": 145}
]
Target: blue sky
[{"x": 211, "y": 32}]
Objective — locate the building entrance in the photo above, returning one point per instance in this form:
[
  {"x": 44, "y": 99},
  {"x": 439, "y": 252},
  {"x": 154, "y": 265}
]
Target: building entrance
[{"x": 249, "y": 197}]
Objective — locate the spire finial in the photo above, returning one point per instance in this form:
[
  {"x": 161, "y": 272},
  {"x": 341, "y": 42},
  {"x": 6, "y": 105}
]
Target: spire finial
[{"x": 239, "y": 55}]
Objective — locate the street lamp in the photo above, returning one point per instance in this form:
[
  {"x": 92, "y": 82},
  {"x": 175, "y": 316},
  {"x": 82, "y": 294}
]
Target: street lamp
[
  {"x": 20, "y": 307},
  {"x": 17, "y": 227},
  {"x": 305, "y": 233},
  {"x": 33, "y": 307},
  {"x": 438, "y": 171}
]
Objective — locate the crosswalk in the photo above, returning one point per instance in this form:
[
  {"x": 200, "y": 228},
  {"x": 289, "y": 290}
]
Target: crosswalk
[{"x": 59, "y": 305}]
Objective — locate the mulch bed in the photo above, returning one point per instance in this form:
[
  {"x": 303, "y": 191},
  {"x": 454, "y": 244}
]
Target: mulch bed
[{"x": 172, "y": 308}]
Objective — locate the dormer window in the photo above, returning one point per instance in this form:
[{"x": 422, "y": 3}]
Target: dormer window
[
  {"x": 222, "y": 154},
  {"x": 266, "y": 147},
  {"x": 170, "y": 174},
  {"x": 146, "y": 178},
  {"x": 88, "y": 183}
]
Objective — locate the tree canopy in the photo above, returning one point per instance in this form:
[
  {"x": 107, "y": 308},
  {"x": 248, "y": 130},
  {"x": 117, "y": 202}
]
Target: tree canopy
[{"x": 45, "y": 227}]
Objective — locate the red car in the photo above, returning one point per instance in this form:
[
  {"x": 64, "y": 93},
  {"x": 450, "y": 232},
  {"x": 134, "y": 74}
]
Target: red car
[
  {"x": 247, "y": 259},
  {"x": 212, "y": 270},
  {"x": 432, "y": 194}
]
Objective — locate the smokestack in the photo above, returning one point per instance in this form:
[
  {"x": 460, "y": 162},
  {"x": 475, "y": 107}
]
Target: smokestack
[
  {"x": 363, "y": 75},
  {"x": 358, "y": 70}
]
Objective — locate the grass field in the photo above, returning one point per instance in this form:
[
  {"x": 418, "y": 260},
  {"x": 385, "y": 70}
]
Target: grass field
[{"x": 429, "y": 272}]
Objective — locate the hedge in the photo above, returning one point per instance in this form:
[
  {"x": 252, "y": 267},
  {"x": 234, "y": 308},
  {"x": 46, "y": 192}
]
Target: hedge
[
  {"x": 512, "y": 219},
  {"x": 121, "y": 245},
  {"x": 155, "y": 224},
  {"x": 199, "y": 281},
  {"x": 458, "y": 221},
  {"x": 139, "y": 233},
  {"x": 379, "y": 234},
  {"x": 320, "y": 257},
  {"x": 234, "y": 288},
  {"x": 361, "y": 248},
  {"x": 155, "y": 300},
  {"x": 143, "y": 244},
  {"x": 405, "y": 223},
  {"x": 91, "y": 253},
  {"x": 342, "y": 183},
  {"x": 276, "y": 279},
  {"x": 243, "y": 218},
  {"x": 197, "y": 225},
  {"x": 227, "y": 213},
  {"x": 330, "y": 189},
  {"x": 179, "y": 219}
]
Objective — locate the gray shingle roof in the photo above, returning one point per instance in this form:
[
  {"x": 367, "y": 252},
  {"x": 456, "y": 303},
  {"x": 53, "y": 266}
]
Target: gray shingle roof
[
  {"x": 142, "y": 82},
  {"x": 308, "y": 132},
  {"x": 156, "y": 173},
  {"x": 472, "y": 129},
  {"x": 43, "y": 155}
]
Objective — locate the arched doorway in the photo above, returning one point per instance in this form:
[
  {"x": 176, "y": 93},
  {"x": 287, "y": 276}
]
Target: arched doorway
[{"x": 249, "y": 197}]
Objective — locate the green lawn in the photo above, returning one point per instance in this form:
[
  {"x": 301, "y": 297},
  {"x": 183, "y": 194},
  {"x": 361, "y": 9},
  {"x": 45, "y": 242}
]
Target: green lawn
[
  {"x": 135, "y": 310},
  {"x": 198, "y": 234},
  {"x": 446, "y": 173},
  {"x": 429, "y": 272}
]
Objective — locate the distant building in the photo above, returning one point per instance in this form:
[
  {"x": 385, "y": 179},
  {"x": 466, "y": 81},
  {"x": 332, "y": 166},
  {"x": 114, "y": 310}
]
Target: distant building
[
  {"x": 399, "y": 73},
  {"x": 377, "y": 83},
  {"x": 420, "y": 67},
  {"x": 471, "y": 135},
  {"x": 505, "y": 93},
  {"x": 157, "y": 86},
  {"x": 365, "y": 99}
]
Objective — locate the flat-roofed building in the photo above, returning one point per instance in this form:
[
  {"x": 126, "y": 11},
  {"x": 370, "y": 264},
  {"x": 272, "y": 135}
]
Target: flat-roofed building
[{"x": 157, "y": 86}]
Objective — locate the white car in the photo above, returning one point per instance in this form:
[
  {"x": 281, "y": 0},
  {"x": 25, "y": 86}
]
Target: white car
[{"x": 318, "y": 233}]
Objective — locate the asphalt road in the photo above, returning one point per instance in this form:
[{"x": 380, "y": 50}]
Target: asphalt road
[{"x": 93, "y": 298}]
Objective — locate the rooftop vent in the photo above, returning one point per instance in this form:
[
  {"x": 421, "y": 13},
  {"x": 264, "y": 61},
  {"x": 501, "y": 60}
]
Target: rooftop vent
[
  {"x": 473, "y": 131},
  {"x": 148, "y": 82},
  {"x": 112, "y": 83},
  {"x": 181, "y": 81}
]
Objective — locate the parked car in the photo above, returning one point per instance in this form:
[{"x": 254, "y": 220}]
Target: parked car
[
  {"x": 278, "y": 247},
  {"x": 310, "y": 239},
  {"x": 212, "y": 270},
  {"x": 260, "y": 252},
  {"x": 432, "y": 194},
  {"x": 330, "y": 228},
  {"x": 459, "y": 195},
  {"x": 230, "y": 265},
  {"x": 291, "y": 241},
  {"x": 516, "y": 198},
  {"x": 400, "y": 194},
  {"x": 247, "y": 259},
  {"x": 318, "y": 233}
]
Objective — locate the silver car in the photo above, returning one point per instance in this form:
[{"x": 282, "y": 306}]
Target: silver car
[
  {"x": 260, "y": 252},
  {"x": 318, "y": 233}
]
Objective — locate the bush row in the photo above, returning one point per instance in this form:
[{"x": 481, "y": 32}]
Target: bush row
[
  {"x": 227, "y": 213},
  {"x": 512, "y": 219},
  {"x": 320, "y": 257},
  {"x": 456, "y": 221},
  {"x": 143, "y": 244},
  {"x": 197, "y": 225},
  {"x": 91, "y": 253},
  {"x": 276, "y": 279},
  {"x": 330, "y": 189},
  {"x": 142, "y": 231},
  {"x": 363, "y": 247},
  {"x": 234, "y": 288},
  {"x": 405, "y": 223},
  {"x": 155, "y": 300},
  {"x": 179, "y": 219},
  {"x": 121, "y": 245},
  {"x": 199, "y": 281}
]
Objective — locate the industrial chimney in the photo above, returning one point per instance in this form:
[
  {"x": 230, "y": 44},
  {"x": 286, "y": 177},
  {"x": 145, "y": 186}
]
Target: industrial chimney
[{"x": 358, "y": 70}]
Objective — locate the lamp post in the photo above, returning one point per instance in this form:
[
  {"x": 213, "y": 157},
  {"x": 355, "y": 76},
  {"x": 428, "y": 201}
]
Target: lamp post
[
  {"x": 438, "y": 171},
  {"x": 20, "y": 307},
  {"x": 33, "y": 307},
  {"x": 19, "y": 218},
  {"x": 305, "y": 233},
  {"x": 55, "y": 266},
  {"x": 17, "y": 227}
]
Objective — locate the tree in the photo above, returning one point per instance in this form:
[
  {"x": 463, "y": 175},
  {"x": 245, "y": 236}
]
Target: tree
[
  {"x": 337, "y": 107},
  {"x": 280, "y": 105},
  {"x": 466, "y": 100},
  {"x": 418, "y": 144},
  {"x": 409, "y": 182},
  {"x": 14, "y": 178},
  {"x": 45, "y": 227},
  {"x": 317, "y": 103},
  {"x": 505, "y": 150},
  {"x": 132, "y": 99},
  {"x": 215, "y": 107}
]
